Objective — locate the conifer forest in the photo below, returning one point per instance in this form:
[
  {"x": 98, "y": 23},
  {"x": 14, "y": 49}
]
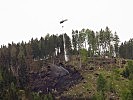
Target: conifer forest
[{"x": 84, "y": 65}]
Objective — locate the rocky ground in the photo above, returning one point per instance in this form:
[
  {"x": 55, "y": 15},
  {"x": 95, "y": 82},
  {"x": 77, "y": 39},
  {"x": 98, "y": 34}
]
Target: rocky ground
[{"x": 45, "y": 82}]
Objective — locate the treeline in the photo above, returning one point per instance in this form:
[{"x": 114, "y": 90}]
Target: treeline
[
  {"x": 102, "y": 43},
  {"x": 126, "y": 49},
  {"x": 99, "y": 43},
  {"x": 35, "y": 48}
]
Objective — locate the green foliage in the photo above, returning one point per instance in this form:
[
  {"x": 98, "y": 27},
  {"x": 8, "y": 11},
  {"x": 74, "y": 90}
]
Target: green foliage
[
  {"x": 116, "y": 73},
  {"x": 50, "y": 97},
  {"x": 13, "y": 51},
  {"x": 130, "y": 67},
  {"x": 99, "y": 96},
  {"x": 101, "y": 83},
  {"x": 126, "y": 49},
  {"x": 23, "y": 74},
  {"x": 111, "y": 86},
  {"x": 84, "y": 55},
  {"x": 131, "y": 88},
  {"x": 68, "y": 44},
  {"x": 35, "y": 48},
  {"x": 131, "y": 76},
  {"x": 116, "y": 44},
  {"x": 7, "y": 85},
  {"x": 128, "y": 72},
  {"x": 125, "y": 72},
  {"x": 126, "y": 95},
  {"x": 99, "y": 43},
  {"x": 75, "y": 39},
  {"x": 21, "y": 52},
  {"x": 13, "y": 54},
  {"x": 39, "y": 96},
  {"x": 36, "y": 96}
]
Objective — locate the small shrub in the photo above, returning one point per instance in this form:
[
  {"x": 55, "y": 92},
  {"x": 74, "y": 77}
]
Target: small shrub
[
  {"x": 101, "y": 83},
  {"x": 126, "y": 95}
]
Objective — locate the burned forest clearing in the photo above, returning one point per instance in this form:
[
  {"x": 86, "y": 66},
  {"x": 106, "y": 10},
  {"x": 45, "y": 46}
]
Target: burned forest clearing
[{"x": 89, "y": 65}]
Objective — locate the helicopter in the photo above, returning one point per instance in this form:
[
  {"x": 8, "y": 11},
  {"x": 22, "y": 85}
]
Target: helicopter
[{"x": 63, "y": 21}]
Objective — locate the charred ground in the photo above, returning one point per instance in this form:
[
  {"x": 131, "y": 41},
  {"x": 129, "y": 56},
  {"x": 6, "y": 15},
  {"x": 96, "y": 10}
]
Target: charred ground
[{"x": 45, "y": 82}]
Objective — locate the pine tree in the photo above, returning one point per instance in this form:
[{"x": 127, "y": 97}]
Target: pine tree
[
  {"x": 116, "y": 44},
  {"x": 75, "y": 41},
  {"x": 23, "y": 74}
]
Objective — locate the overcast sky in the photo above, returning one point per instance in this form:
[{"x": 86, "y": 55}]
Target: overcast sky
[{"x": 24, "y": 19}]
